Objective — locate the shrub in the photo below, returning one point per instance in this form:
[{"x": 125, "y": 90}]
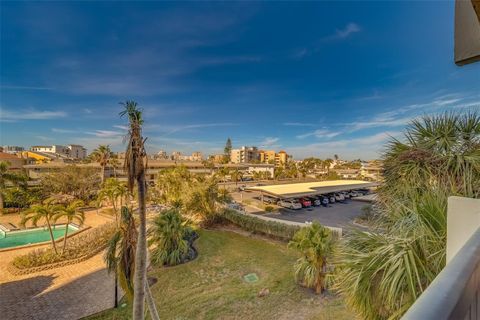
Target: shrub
[
  {"x": 273, "y": 229},
  {"x": 269, "y": 209},
  {"x": 79, "y": 246}
]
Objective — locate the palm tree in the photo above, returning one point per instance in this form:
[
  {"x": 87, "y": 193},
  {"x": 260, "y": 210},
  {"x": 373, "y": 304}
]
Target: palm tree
[
  {"x": 316, "y": 246},
  {"x": 71, "y": 213},
  {"x": 236, "y": 175},
  {"x": 383, "y": 271},
  {"x": 120, "y": 254},
  {"x": 46, "y": 212},
  {"x": 203, "y": 199},
  {"x": 103, "y": 155},
  {"x": 7, "y": 177},
  {"x": 113, "y": 190},
  {"x": 134, "y": 166},
  {"x": 168, "y": 236}
]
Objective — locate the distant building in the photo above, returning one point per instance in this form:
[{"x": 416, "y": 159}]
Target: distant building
[
  {"x": 244, "y": 155},
  {"x": 73, "y": 151},
  {"x": 372, "y": 170},
  {"x": 348, "y": 173},
  {"x": 270, "y": 156},
  {"x": 176, "y": 155},
  {"x": 12, "y": 149},
  {"x": 197, "y": 156},
  {"x": 161, "y": 155},
  {"x": 281, "y": 158},
  {"x": 217, "y": 158}
]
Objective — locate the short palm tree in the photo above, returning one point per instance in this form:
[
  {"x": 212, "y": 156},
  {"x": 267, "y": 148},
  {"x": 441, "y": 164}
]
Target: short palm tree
[
  {"x": 237, "y": 176},
  {"x": 71, "y": 213},
  {"x": 103, "y": 155},
  {"x": 203, "y": 200},
  {"x": 113, "y": 190},
  {"x": 120, "y": 253},
  {"x": 168, "y": 238},
  {"x": 45, "y": 211},
  {"x": 7, "y": 177},
  {"x": 315, "y": 243}
]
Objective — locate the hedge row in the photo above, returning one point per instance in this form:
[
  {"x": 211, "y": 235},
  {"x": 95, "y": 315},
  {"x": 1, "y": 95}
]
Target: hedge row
[{"x": 273, "y": 229}]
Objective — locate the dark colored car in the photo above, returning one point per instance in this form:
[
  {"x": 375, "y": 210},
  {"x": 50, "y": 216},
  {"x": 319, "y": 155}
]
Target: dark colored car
[{"x": 324, "y": 201}]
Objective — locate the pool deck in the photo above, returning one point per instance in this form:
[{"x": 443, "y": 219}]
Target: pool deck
[{"x": 69, "y": 292}]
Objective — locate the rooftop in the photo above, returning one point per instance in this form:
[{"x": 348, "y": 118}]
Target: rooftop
[{"x": 294, "y": 190}]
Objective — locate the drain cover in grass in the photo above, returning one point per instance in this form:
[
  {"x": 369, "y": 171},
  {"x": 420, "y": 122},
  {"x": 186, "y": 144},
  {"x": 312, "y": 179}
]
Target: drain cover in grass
[{"x": 250, "y": 278}]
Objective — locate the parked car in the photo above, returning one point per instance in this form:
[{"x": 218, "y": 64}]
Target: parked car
[
  {"x": 346, "y": 194},
  {"x": 315, "y": 201},
  {"x": 290, "y": 204},
  {"x": 339, "y": 197},
  {"x": 331, "y": 198},
  {"x": 269, "y": 200},
  {"x": 305, "y": 202},
  {"x": 354, "y": 193},
  {"x": 324, "y": 200}
]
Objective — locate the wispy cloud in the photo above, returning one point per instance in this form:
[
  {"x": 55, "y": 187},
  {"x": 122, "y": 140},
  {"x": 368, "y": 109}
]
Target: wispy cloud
[
  {"x": 171, "y": 129},
  {"x": 269, "y": 142},
  {"x": 319, "y": 133},
  {"x": 30, "y": 114},
  {"x": 59, "y": 130},
  {"x": 18, "y": 87},
  {"x": 348, "y": 30},
  {"x": 106, "y": 134},
  {"x": 298, "y": 124}
]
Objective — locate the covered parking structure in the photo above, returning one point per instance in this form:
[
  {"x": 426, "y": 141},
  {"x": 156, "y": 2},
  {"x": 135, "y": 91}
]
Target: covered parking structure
[{"x": 299, "y": 190}]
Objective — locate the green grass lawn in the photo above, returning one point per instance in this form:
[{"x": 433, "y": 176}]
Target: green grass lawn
[{"x": 212, "y": 286}]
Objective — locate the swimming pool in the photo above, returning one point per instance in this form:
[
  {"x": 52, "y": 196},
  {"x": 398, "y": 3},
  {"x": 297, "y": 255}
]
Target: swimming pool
[{"x": 12, "y": 239}]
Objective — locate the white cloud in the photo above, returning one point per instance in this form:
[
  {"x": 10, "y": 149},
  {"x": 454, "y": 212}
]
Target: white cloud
[
  {"x": 269, "y": 142},
  {"x": 30, "y": 114},
  {"x": 298, "y": 124},
  {"x": 319, "y": 133},
  {"x": 106, "y": 133},
  {"x": 58, "y": 130},
  {"x": 349, "y": 29}
]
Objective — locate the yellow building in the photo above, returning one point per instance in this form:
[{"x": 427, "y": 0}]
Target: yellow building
[
  {"x": 267, "y": 156},
  {"x": 281, "y": 159}
]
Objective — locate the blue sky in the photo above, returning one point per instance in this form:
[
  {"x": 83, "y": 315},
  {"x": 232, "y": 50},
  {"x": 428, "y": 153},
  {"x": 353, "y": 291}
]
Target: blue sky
[{"x": 312, "y": 78}]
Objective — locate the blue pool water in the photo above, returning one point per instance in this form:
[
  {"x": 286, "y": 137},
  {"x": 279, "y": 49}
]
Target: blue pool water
[{"x": 19, "y": 238}]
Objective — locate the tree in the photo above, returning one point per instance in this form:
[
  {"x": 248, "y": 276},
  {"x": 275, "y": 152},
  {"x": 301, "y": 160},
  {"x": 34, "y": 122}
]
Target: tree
[
  {"x": 71, "y": 213},
  {"x": 45, "y": 211},
  {"x": 203, "y": 199},
  {"x": 335, "y": 156},
  {"x": 7, "y": 177},
  {"x": 113, "y": 190},
  {"x": 134, "y": 166},
  {"x": 227, "y": 151},
  {"x": 383, "y": 271},
  {"x": 168, "y": 235},
  {"x": 316, "y": 246},
  {"x": 120, "y": 254},
  {"x": 236, "y": 176},
  {"x": 103, "y": 155},
  {"x": 79, "y": 182},
  {"x": 171, "y": 184}
]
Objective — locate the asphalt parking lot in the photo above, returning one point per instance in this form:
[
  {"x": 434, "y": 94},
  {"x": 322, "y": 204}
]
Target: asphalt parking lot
[{"x": 337, "y": 214}]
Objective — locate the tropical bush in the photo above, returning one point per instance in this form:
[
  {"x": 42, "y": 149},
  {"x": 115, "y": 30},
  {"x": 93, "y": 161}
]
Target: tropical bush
[
  {"x": 169, "y": 238},
  {"x": 315, "y": 244},
  {"x": 120, "y": 253},
  {"x": 81, "y": 245},
  {"x": 273, "y": 229},
  {"x": 382, "y": 272}
]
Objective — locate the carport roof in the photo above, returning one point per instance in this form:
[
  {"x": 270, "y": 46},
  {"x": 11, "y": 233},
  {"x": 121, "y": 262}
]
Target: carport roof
[{"x": 295, "y": 190}]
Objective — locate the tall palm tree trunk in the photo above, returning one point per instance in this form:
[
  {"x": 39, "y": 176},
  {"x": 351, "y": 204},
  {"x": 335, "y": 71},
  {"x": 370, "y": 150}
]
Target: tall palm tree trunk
[
  {"x": 51, "y": 235},
  {"x": 103, "y": 174},
  {"x": 151, "y": 303},
  {"x": 115, "y": 304},
  {"x": 1, "y": 202},
  {"x": 140, "y": 254},
  {"x": 65, "y": 237}
]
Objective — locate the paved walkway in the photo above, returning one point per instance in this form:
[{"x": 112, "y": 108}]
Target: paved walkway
[{"x": 70, "y": 292}]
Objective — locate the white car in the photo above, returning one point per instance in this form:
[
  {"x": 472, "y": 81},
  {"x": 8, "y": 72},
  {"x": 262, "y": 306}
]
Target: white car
[
  {"x": 290, "y": 204},
  {"x": 346, "y": 194},
  {"x": 331, "y": 198},
  {"x": 339, "y": 197}
]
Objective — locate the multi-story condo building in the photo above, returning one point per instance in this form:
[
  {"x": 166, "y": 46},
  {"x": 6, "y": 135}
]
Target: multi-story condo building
[
  {"x": 161, "y": 155},
  {"x": 281, "y": 158},
  {"x": 197, "y": 156},
  {"x": 244, "y": 155},
  {"x": 176, "y": 155},
  {"x": 12, "y": 149},
  {"x": 267, "y": 156},
  {"x": 74, "y": 151}
]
